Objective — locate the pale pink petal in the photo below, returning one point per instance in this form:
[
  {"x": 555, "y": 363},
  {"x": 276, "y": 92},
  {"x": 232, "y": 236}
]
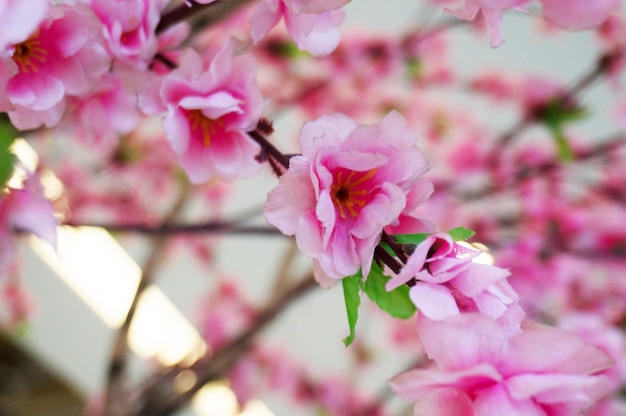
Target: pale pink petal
[
  {"x": 579, "y": 14},
  {"x": 434, "y": 301},
  {"x": 496, "y": 401},
  {"x": 286, "y": 203}
]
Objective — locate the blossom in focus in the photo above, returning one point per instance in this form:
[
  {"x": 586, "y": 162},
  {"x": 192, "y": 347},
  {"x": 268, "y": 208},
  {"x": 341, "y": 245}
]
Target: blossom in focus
[
  {"x": 491, "y": 370},
  {"x": 448, "y": 283},
  {"x": 209, "y": 111},
  {"x": 27, "y": 210},
  {"x": 312, "y": 25},
  {"x": 129, "y": 27},
  {"x": 63, "y": 57},
  {"x": 349, "y": 183},
  {"x": 579, "y": 14}
]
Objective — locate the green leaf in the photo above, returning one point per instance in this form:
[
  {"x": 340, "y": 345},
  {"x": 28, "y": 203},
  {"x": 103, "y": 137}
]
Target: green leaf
[
  {"x": 555, "y": 114},
  {"x": 396, "y": 303},
  {"x": 460, "y": 233},
  {"x": 457, "y": 234},
  {"x": 564, "y": 150},
  {"x": 7, "y": 158},
  {"x": 410, "y": 238},
  {"x": 352, "y": 296}
]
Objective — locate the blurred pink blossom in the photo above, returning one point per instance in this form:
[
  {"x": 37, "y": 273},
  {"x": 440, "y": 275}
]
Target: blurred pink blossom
[
  {"x": 491, "y": 11},
  {"x": 24, "y": 210},
  {"x": 579, "y": 14},
  {"x": 491, "y": 370},
  {"x": 312, "y": 25}
]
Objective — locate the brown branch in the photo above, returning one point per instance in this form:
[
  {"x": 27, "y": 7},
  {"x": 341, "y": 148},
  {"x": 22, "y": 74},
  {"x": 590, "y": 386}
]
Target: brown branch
[
  {"x": 217, "y": 227},
  {"x": 220, "y": 10}
]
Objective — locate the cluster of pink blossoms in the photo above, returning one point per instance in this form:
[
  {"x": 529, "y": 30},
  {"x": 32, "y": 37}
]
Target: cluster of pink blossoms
[
  {"x": 350, "y": 184},
  {"x": 568, "y": 14}
]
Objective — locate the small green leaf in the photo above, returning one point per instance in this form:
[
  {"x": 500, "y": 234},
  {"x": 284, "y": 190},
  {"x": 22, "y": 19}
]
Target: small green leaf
[
  {"x": 410, "y": 238},
  {"x": 460, "y": 233},
  {"x": 352, "y": 296},
  {"x": 7, "y": 158},
  {"x": 555, "y": 115},
  {"x": 564, "y": 150},
  {"x": 396, "y": 303},
  {"x": 457, "y": 234},
  {"x": 414, "y": 68}
]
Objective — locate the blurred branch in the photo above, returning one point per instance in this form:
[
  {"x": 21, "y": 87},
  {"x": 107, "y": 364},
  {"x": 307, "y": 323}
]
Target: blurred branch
[
  {"x": 525, "y": 172},
  {"x": 211, "y": 227},
  {"x": 569, "y": 94},
  {"x": 162, "y": 399},
  {"x": 218, "y": 10},
  {"x": 117, "y": 400}
]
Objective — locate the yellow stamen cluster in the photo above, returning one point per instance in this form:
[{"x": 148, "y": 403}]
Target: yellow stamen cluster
[
  {"x": 207, "y": 126},
  {"x": 349, "y": 192},
  {"x": 29, "y": 54}
]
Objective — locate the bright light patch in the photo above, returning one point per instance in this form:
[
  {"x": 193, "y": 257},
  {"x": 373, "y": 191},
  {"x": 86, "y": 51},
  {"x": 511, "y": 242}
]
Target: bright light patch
[
  {"x": 484, "y": 258},
  {"x": 160, "y": 330},
  {"x": 28, "y": 160},
  {"x": 256, "y": 408},
  {"x": 215, "y": 399},
  {"x": 95, "y": 267}
]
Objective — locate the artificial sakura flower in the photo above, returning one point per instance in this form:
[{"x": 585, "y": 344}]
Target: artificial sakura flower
[
  {"x": 28, "y": 210},
  {"x": 484, "y": 369},
  {"x": 312, "y": 24},
  {"x": 349, "y": 183},
  {"x": 63, "y": 57},
  {"x": 447, "y": 282},
  {"x": 579, "y": 14},
  {"x": 129, "y": 27},
  {"x": 491, "y": 11},
  {"x": 209, "y": 111}
]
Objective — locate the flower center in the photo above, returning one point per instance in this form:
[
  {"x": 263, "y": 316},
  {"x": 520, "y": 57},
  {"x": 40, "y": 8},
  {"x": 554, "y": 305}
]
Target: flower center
[
  {"x": 29, "y": 54},
  {"x": 201, "y": 124},
  {"x": 350, "y": 192}
]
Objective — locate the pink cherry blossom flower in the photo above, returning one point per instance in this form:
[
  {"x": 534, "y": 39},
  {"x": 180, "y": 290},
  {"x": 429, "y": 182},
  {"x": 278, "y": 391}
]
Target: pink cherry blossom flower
[
  {"x": 491, "y": 370},
  {"x": 24, "y": 210},
  {"x": 209, "y": 112},
  {"x": 64, "y": 56},
  {"x": 349, "y": 183},
  {"x": 99, "y": 118},
  {"x": 19, "y": 19},
  {"x": 312, "y": 25},
  {"x": 491, "y": 11},
  {"x": 448, "y": 283},
  {"x": 129, "y": 27},
  {"x": 579, "y": 14}
]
